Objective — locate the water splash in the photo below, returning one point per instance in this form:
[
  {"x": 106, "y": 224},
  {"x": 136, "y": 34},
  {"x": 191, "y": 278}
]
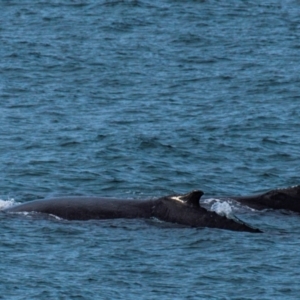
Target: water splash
[
  {"x": 222, "y": 208},
  {"x": 7, "y": 203}
]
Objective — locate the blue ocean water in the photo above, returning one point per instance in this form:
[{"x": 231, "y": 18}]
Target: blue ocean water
[{"x": 140, "y": 99}]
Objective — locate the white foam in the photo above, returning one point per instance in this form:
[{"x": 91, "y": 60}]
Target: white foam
[
  {"x": 23, "y": 213},
  {"x": 222, "y": 208},
  {"x": 7, "y": 203},
  {"x": 210, "y": 200}
]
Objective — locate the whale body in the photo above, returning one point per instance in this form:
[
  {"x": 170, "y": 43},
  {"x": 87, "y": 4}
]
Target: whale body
[
  {"x": 287, "y": 198},
  {"x": 181, "y": 209}
]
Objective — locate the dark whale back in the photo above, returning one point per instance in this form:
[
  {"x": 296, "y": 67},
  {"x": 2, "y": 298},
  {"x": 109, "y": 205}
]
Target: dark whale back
[
  {"x": 180, "y": 209},
  {"x": 87, "y": 208},
  {"x": 288, "y": 198}
]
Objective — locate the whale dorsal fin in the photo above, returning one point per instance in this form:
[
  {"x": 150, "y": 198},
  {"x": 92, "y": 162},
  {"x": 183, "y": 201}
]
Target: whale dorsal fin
[{"x": 192, "y": 198}]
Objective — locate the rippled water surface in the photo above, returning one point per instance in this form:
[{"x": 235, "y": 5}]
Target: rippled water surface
[{"x": 140, "y": 99}]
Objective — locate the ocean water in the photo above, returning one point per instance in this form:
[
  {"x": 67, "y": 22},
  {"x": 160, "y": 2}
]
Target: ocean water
[{"x": 140, "y": 99}]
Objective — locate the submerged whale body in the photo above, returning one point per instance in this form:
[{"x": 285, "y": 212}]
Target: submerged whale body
[
  {"x": 180, "y": 209},
  {"x": 287, "y": 198}
]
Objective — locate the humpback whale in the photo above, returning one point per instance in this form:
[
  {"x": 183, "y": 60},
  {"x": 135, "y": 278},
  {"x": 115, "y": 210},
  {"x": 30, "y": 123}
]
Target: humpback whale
[
  {"x": 181, "y": 209},
  {"x": 286, "y": 198}
]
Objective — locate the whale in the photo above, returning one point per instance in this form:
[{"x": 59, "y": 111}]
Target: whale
[
  {"x": 277, "y": 199},
  {"x": 183, "y": 209}
]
